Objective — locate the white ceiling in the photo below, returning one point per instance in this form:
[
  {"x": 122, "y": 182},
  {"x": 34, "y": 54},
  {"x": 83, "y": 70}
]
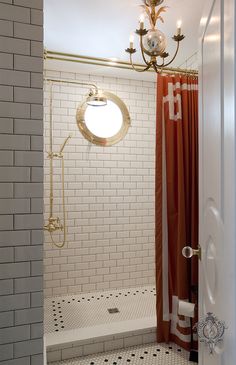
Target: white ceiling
[{"x": 101, "y": 28}]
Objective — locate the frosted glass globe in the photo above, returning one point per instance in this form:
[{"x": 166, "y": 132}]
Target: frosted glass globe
[
  {"x": 104, "y": 121},
  {"x": 154, "y": 42}
]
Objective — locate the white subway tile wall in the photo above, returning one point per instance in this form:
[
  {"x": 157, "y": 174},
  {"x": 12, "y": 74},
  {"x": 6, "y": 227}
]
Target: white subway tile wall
[
  {"x": 21, "y": 182},
  {"x": 109, "y": 193}
]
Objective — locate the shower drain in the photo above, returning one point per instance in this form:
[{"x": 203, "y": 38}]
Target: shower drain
[{"x": 113, "y": 310}]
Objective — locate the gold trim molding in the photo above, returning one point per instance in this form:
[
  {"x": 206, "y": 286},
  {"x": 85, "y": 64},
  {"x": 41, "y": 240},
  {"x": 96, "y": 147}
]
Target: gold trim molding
[{"x": 106, "y": 62}]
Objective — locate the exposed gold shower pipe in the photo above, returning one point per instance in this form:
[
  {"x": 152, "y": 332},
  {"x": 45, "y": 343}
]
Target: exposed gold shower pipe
[
  {"x": 54, "y": 223},
  {"x": 61, "y": 81}
]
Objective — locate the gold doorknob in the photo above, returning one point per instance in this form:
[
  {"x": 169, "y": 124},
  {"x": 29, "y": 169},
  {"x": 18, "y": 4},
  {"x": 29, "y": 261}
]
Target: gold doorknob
[{"x": 189, "y": 252}]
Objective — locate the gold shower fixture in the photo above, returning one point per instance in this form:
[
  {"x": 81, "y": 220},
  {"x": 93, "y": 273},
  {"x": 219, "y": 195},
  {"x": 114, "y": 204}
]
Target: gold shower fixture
[
  {"x": 54, "y": 223},
  {"x": 152, "y": 41}
]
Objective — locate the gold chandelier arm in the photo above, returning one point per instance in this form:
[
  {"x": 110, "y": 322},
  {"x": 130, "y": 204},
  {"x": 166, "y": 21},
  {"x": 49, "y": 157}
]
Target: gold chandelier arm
[
  {"x": 167, "y": 64},
  {"x": 156, "y": 68},
  {"x": 142, "y": 50},
  {"x": 137, "y": 70}
]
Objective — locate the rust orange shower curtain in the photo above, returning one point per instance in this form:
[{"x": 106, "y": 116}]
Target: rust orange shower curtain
[{"x": 176, "y": 203}]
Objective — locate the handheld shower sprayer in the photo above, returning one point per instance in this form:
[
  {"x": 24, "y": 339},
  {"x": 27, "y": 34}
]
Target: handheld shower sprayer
[{"x": 64, "y": 144}]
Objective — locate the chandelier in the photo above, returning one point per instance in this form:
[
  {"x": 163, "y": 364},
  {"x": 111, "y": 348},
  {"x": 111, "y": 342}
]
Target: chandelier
[{"x": 152, "y": 41}]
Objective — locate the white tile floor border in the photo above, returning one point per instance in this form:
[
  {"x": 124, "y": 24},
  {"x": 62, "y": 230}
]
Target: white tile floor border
[
  {"x": 150, "y": 354},
  {"x": 79, "y": 325}
]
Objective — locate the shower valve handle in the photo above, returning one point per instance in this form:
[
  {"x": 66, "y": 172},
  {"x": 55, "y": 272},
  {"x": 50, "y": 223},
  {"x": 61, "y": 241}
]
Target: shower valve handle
[{"x": 53, "y": 225}]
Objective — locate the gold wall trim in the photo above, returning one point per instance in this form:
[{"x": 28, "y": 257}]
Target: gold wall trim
[{"x": 69, "y": 57}]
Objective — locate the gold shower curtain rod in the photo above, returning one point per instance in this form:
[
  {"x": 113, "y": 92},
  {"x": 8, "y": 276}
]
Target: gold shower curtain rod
[{"x": 60, "y": 56}]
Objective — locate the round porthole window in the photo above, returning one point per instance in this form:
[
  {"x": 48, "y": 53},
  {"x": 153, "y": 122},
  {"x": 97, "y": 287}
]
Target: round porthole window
[{"x": 104, "y": 125}]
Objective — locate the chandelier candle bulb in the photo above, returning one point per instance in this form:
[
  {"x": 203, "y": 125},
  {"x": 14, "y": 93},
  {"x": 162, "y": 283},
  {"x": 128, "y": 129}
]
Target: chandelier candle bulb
[
  {"x": 131, "y": 41},
  {"x": 179, "y": 23},
  {"x": 141, "y": 21}
]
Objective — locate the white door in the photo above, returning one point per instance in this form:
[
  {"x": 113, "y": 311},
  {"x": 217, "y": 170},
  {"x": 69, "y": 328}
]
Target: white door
[{"x": 217, "y": 143}]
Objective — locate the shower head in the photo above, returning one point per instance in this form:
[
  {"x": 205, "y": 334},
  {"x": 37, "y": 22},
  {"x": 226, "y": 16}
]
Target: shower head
[{"x": 96, "y": 98}]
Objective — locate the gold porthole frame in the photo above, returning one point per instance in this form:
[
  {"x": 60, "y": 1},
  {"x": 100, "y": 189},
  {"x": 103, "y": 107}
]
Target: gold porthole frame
[{"x": 110, "y": 141}]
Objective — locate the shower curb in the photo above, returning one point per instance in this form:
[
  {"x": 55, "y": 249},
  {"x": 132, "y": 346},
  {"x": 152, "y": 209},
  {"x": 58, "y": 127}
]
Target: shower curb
[{"x": 102, "y": 344}]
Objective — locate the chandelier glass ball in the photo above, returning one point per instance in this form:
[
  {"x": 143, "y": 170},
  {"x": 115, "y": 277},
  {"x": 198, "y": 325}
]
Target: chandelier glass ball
[{"x": 154, "y": 42}]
